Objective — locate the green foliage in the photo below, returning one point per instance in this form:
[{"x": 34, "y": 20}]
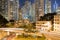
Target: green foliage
[
  {"x": 21, "y": 37},
  {"x": 9, "y": 25},
  {"x": 47, "y": 17}
]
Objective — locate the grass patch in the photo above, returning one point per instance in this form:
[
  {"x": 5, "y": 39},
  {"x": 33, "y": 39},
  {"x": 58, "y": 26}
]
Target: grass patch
[{"x": 29, "y": 38}]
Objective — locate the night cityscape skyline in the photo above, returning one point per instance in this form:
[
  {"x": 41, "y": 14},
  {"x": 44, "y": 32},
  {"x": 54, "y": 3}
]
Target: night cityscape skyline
[
  {"x": 29, "y": 19},
  {"x": 26, "y": 6}
]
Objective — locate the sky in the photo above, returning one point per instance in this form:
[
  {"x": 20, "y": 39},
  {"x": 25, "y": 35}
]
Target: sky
[
  {"x": 52, "y": 1},
  {"x": 58, "y": 2},
  {"x": 22, "y": 2}
]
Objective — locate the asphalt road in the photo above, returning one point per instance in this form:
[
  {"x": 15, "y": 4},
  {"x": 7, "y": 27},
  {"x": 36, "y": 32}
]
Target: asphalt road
[{"x": 52, "y": 35}]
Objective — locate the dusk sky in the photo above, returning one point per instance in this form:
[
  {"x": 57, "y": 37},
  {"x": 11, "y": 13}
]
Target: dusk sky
[
  {"x": 22, "y": 2},
  {"x": 58, "y": 2}
]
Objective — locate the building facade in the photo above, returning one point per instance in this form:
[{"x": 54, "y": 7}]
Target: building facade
[
  {"x": 20, "y": 14},
  {"x": 28, "y": 11},
  {"x": 43, "y": 25},
  {"x": 13, "y": 9},
  {"x": 47, "y": 6},
  {"x": 58, "y": 10},
  {"x": 57, "y": 22},
  {"x": 55, "y": 6},
  {"x": 9, "y": 9},
  {"x": 3, "y": 7},
  {"x": 32, "y": 13},
  {"x": 39, "y": 8}
]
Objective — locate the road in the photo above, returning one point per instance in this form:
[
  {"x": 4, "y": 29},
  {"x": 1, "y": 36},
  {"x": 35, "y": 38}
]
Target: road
[
  {"x": 49, "y": 35},
  {"x": 52, "y": 35},
  {"x": 8, "y": 37},
  {"x": 13, "y": 32},
  {"x": 18, "y": 31}
]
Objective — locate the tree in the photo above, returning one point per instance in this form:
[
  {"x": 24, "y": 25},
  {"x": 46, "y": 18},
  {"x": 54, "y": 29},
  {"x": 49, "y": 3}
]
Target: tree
[
  {"x": 3, "y": 21},
  {"x": 28, "y": 27},
  {"x": 48, "y": 16}
]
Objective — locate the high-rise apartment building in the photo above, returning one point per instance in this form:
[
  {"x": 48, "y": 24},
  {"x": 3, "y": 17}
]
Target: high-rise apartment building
[
  {"x": 10, "y": 9},
  {"x": 55, "y": 6},
  {"x": 39, "y": 8},
  {"x": 28, "y": 11},
  {"x": 33, "y": 12},
  {"x": 3, "y": 7},
  {"x": 13, "y": 9},
  {"x": 20, "y": 14},
  {"x": 47, "y": 6}
]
